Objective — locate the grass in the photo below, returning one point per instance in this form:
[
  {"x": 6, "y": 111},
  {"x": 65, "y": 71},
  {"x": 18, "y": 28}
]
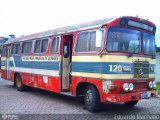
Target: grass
[{"x": 158, "y": 88}]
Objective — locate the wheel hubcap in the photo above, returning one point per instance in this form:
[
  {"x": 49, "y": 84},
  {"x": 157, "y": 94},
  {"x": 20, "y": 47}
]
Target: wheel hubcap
[{"x": 88, "y": 97}]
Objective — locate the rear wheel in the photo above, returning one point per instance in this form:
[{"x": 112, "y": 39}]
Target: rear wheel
[
  {"x": 92, "y": 99},
  {"x": 131, "y": 103},
  {"x": 18, "y": 83}
]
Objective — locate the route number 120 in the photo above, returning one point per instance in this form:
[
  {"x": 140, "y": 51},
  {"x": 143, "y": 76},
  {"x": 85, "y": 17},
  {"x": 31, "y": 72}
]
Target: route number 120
[{"x": 115, "y": 68}]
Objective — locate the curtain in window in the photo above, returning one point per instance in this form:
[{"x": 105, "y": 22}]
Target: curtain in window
[
  {"x": 86, "y": 42},
  {"x": 55, "y": 44}
]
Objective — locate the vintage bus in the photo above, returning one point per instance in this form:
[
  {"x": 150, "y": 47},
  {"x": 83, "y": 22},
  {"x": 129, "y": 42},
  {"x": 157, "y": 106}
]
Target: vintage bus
[{"x": 107, "y": 60}]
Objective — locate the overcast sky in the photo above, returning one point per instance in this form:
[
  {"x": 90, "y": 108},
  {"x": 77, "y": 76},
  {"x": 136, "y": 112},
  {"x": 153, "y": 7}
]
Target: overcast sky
[{"x": 22, "y": 17}]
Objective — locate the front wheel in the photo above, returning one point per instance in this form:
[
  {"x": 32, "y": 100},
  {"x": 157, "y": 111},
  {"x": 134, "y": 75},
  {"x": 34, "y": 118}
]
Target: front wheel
[
  {"x": 18, "y": 83},
  {"x": 131, "y": 103},
  {"x": 92, "y": 99}
]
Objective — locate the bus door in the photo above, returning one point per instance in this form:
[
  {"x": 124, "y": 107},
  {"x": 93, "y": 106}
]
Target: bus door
[
  {"x": 8, "y": 62},
  {"x": 66, "y": 62}
]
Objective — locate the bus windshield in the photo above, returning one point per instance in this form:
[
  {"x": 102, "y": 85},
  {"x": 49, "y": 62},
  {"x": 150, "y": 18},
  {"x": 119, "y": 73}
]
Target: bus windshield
[
  {"x": 149, "y": 44},
  {"x": 123, "y": 40}
]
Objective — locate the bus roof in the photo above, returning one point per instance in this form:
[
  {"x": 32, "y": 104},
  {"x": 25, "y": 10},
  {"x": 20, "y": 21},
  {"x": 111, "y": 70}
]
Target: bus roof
[
  {"x": 63, "y": 30},
  {"x": 73, "y": 28}
]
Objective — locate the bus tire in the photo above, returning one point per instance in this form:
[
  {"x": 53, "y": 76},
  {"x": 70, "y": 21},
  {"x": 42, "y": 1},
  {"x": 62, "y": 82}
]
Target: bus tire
[
  {"x": 91, "y": 99},
  {"x": 131, "y": 103},
  {"x": 18, "y": 83}
]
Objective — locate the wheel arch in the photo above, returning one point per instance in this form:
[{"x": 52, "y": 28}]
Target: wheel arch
[
  {"x": 15, "y": 75},
  {"x": 81, "y": 86}
]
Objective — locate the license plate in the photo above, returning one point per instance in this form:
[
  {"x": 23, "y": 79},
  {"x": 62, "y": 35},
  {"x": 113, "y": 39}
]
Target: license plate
[{"x": 145, "y": 95}]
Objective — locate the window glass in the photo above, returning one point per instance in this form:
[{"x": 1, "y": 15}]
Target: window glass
[
  {"x": 86, "y": 42},
  {"x": 26, "y": 47},
  {"x": 149, "y": 44},
  {"x": 123, "y": 40},
  {"x": 66, "y": 50},
  {"x": 44, "y": 45},
  {"x": 15, "y": 48},
  {"x": 55, "y": 44},
  {"x": 41, "y": 45},
  {"x": 4, "y": 51},
  {"x": 37, "y": 47}
]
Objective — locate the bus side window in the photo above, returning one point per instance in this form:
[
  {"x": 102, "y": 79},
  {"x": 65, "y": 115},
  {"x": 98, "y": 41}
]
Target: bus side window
[
  {"x": 55, "y": 44},
  {"x": 15, "y": 48},
  {"x": 66, "y": 50},
  {"x": 44, "y": 45},
  {"x": 26, "y": 47},
  {"x": 41, "y": 46},
  {"x": 37, "y": 47},
  {"x": 4, "y": 51},
  {"x": 87, "y": 42}
]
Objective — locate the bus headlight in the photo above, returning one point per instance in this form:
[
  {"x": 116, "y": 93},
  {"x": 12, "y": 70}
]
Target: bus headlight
[
  {"x": 154, "y": 84},
  {"x": 150, "y": 84},
  {"x": 125, "y": 87},
  {"x": 131, "y": 86}
]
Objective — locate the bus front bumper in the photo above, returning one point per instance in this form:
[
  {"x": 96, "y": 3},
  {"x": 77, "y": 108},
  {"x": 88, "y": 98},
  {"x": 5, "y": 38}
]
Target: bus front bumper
[{"x": 130, "y": 96}]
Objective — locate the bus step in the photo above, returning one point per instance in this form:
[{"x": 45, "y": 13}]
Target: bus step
[{"x": 67, "y": 93}]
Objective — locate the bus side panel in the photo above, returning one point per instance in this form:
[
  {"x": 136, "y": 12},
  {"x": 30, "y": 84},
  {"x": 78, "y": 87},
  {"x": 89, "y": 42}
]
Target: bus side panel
[
  {"x": 46, "y": 82},
  {"x": 43, "y": 82},
  {"x": 54, "y": 83},
  {"x": 3, "y": 74},
  {"x": 3, "y": 68},
  {"x": 12, "y": 75},
  {"x": 26, "y": 78}
]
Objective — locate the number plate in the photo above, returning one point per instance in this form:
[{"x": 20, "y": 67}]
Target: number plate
[{"x": 145, "y": 95}]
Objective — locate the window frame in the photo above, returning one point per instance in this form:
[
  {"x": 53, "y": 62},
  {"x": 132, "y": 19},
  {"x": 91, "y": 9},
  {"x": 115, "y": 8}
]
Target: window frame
[
  {"x": 18, "y": 49},
  {"x": 35, "y": 45},
  {"x": 40, "y": 45},
  {"x": 58, "y": 44},
  {"x": 4, "y": 54},
  {"x": 143, "y": 34},
  {"x": 22, "y": 43},
  {"x": 90, "y": 52}
]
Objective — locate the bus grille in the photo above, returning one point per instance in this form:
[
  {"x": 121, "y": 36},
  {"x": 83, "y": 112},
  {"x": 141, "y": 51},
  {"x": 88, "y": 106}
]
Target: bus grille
[
  {"x": 141, "y": 70},
  {"x": 139, "y": 86}
]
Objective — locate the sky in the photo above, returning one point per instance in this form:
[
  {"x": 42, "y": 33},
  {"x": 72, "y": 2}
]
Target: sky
[{"x": 23, "y": 17}]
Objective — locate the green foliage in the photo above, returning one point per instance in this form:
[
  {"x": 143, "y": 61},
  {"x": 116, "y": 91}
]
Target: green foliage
[{"x": 158, "y": 88}]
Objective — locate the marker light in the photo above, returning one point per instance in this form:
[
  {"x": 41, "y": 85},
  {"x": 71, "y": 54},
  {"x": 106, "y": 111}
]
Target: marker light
[
  {"x": 111, "y": 87},
  {"x": 123, "y": 22}
]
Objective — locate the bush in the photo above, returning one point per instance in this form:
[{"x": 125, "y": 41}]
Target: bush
[{"x": 158, "y": 88}]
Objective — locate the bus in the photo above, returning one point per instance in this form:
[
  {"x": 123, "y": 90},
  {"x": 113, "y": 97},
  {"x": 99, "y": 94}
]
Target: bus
[{"x": 107, "y": 60}]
